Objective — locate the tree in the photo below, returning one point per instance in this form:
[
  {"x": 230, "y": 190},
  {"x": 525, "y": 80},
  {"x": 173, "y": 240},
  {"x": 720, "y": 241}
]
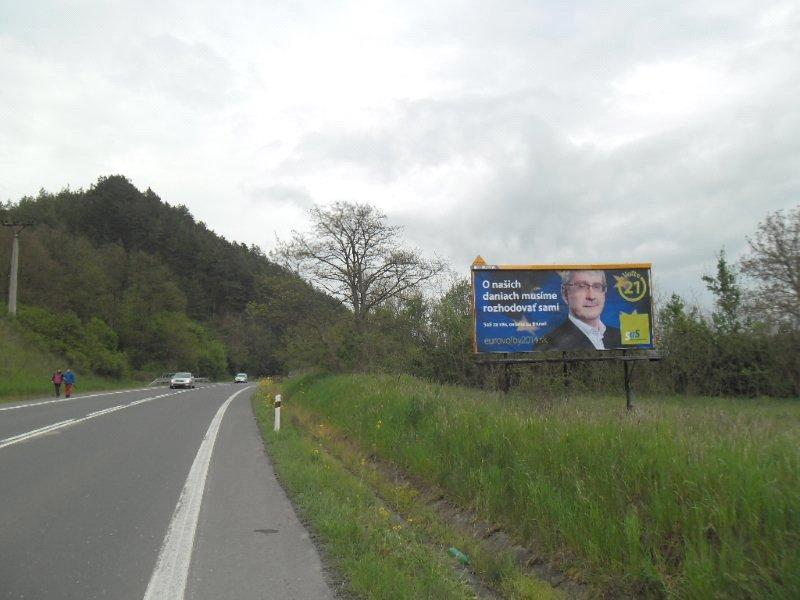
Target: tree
[
  {"x": 725, "y": 286},
  {"x": 686, "y": 341},
  {"x": 450, "y": 357},
  {"x": 774, "y": 261},
  {"x": 353, "y": 254}
]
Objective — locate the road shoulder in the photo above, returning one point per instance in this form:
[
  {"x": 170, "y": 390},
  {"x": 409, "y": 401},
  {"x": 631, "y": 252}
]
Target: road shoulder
[{"x": 250, "y": 542}]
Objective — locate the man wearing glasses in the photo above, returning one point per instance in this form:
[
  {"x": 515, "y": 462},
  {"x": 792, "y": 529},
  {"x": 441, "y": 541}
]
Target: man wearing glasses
[{"x": 585, "y": 294}]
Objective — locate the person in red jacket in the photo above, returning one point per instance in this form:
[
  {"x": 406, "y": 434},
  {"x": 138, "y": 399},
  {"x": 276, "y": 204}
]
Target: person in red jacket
[{"x": 57, "y": 379}]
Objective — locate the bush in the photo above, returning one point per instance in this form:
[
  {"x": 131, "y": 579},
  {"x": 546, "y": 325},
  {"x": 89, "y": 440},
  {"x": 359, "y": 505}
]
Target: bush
[{"x": 92, "y": 346}]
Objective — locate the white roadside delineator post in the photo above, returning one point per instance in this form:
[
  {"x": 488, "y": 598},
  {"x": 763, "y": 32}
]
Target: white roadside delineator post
[{"x": 277, "y": 412}]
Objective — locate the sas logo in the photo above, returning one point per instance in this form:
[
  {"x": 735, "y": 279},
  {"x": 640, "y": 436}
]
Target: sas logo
[{"x": 635, "y": 329}]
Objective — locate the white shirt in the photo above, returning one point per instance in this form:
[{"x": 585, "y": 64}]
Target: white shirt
[{"x": 595, "y": 335}]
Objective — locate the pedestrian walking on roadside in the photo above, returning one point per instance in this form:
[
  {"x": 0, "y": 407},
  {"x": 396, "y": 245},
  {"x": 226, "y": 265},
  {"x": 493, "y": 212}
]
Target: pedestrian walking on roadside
[
  {"x": 69, "y": 382},
  {"x": 57, "y": 379}
]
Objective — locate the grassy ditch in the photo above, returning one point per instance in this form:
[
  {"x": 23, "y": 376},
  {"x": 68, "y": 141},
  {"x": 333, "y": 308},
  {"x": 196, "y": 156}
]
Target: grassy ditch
[
  {"x": 689, "y": 498},
  {"x": 383, "y": 538}
]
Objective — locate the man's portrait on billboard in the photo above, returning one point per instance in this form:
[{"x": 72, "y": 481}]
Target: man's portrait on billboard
[{"x": 584, "y": 292}]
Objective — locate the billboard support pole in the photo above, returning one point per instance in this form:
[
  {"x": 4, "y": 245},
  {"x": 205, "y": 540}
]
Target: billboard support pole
[
  {"x": 627, "y": 371},
  {"x": 506, "y": 383},
  {"x": 566, "y": 372},
  {"x": 564, "y": 359}
]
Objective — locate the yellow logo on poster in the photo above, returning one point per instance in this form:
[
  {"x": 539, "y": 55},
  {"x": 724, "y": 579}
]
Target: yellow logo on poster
[
  {"x": 631, "y": 285},
  {"x": 635, "y": 329}
]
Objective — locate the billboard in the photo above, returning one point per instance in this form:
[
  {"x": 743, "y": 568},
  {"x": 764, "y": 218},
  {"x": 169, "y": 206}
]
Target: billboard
[{"x": 536, "y": 308}]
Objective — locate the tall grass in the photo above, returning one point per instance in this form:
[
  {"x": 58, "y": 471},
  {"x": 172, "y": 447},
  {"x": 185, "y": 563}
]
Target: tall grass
[
  {"x": 380, "y": 555},
  {"x": 691, "y": 498}
]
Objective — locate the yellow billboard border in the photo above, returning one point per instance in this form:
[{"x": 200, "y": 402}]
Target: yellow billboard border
[{"x": 476, "y": 266}]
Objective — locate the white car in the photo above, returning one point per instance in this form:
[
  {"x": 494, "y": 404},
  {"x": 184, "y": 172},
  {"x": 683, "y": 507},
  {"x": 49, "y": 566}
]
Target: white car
[
  {"x": 240, "y": 378},
  {"x": 181, "y": 380}
]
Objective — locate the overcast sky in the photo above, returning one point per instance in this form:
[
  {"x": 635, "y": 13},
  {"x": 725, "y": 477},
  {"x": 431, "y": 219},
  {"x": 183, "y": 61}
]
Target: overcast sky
[{"x": 527, "y": 132}]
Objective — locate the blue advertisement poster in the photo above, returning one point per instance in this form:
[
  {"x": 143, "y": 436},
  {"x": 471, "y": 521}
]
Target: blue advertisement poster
[{"x": 561, "y": 308}]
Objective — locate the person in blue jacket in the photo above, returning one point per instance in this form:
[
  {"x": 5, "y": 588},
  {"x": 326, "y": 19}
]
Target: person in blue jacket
[{"x": 69, "y": 382}]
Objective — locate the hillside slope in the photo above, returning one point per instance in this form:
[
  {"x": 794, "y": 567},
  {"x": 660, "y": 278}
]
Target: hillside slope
[
  {"x": 26, "y": 366},
  {"x": 174, "y": 294}
]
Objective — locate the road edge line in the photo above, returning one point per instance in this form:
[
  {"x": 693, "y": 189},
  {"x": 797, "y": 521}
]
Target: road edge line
[{"x": 174, "y": 559}]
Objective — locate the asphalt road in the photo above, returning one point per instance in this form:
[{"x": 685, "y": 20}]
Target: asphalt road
[{"x": 152, "y": 493}]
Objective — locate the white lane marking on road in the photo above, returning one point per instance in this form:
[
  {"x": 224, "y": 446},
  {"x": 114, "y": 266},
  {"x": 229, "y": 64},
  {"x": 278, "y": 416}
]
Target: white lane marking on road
[
  {"x": 28, "y": 405},
  {"x": 142, "y": 401},
  {"x": 105, "y": 411},
  {"x": 62, "y": 424},
  {"x": 29, "y": 434},
  {"x": 172, "y": 567}
]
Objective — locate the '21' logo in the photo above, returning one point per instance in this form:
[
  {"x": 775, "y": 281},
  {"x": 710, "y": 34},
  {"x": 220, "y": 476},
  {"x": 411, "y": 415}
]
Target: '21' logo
[{"x": 631, "y": 285}]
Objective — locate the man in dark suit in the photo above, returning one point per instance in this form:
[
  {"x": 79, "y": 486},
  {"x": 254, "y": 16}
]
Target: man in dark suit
[{"x": 585, "y": 294}]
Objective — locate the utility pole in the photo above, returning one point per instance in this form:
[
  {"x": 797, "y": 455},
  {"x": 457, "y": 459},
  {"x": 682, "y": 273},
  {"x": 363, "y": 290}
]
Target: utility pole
[{"x": 12, "y": 276}]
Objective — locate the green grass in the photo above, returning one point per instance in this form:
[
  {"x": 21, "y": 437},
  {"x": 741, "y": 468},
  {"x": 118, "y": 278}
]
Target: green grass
[
  {"x": 25, "y": 370},
  {"x": 497, "y": 568},
  {"x": 689, "y": 498},
  {"x": 381, "y": 555}
]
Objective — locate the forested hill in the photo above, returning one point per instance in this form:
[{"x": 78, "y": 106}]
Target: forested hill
[
  {"x": 171, "y": 293},
  {"x": 214, "y": 275}
]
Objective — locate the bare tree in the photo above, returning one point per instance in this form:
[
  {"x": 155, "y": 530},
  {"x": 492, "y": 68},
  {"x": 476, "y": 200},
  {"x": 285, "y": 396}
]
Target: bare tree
[
  {"x": 355, "y": 255},
  {"x": 774, "y": 261}
]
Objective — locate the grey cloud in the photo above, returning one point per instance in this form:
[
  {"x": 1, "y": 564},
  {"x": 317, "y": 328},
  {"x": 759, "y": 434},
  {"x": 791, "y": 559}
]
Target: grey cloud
[
  {"x": 556, "y": 202},
  {"x": 674, "y": 199},
  {"x": 191, "y": 73},
  {"x": 281, "y": 194},
  {"x": 421, "y": 134},
  {"x": 571, "y": 45}
]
